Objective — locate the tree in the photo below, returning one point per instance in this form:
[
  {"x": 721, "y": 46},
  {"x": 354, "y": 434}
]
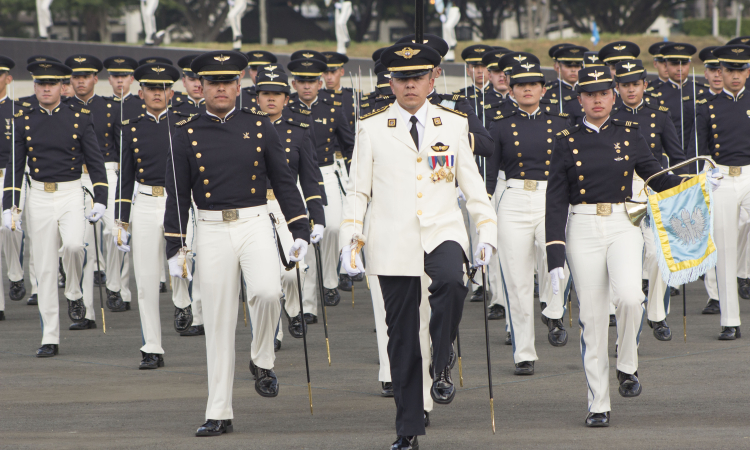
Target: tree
[
  {"x": 205, "y": 18},
  {"x": 10, "y": 26},
  {"x": 614, "y": 16},
  {"x": 491, "y": 12}
]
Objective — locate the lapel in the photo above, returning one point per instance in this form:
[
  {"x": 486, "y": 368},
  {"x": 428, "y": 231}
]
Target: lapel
[
  {"x": 401, "y": 132},
  {"x": 430, "y": 130}
]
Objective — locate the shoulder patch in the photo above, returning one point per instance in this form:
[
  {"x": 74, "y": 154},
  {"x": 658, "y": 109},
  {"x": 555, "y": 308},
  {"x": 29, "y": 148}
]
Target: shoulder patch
[
  {"x": 453, "y": 111},
  {"x": 373, "y": 113},
  {"x": 184, "y": 121},
  {"x": 665, "y": 109},
  {"x": 567, "y": 132},
  {"x": 699, "y": 102},
  {"x": 252, "y": 110},
  {"x": 27, "y": 105},
  {"x": 85, "y": 111},
  {"x": 20, "y": 113},
  {"x": 563, "y": 114},
  {"x": 625, "y": 123},
  {"x": 298, "y": 124},
  {"x": 335, "y": 103}
]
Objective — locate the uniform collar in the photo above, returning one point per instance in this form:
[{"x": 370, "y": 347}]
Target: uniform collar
[
  {"x": 499, "y": 93},
  {"x": 85, "y": 102},
  {"x": 421, "y": 114},
  {"x": 4, "y": 98},
  {"x": 636, "y": 109},
  {"x": 570, "y": 86},
  {"x": 157, "y": 119},
  {"x": 50, "y": 111},
  {"x": 677, "y": 86},
  {"x": 533, "y": 115},
  {"x": 304, "y": 105},
  {"x": 732, "y": 97},
  {"x": 195, "y": 102},
  {"x": 594, "y": 127},
  {"x": 124, "y": 97},
  {"x": 216, "y": 118}
]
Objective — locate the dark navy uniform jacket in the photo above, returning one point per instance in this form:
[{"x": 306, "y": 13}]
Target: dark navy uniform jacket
[
  {"x": 104, "y": 125},
  {"x": 184, "y": 103},
  {"x": 479, "y": 138},
  {"x": 7, "y": 109},
  {"x": 561, "y": 91},
  {"x": 722, "y": 124},
  {"x": 669, "y": 95},
  {"x": 133, "y": 106},
  {"x": 477, "y": 97},
  {"x": 344, "y": 96},
  {"x": 330, "y": 127},
  {"x": 249, "y": 98},
  {"x": 226, "y": 164}
]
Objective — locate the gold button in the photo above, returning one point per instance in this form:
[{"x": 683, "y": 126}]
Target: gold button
[
  {"x": 517, "y": 143},
  {"x": 27, "y": 127},
  {"x": 134, "y": 139},
  {"x": 255, "y": 163},
  {"x": 132, "y": 129},
  {"x": 190, "y": 130},
  {"x": 715, "y": 136},
  {"x": 653, "y": 115},
  {"x": 333, "y": 110},
  {"x": 622, "y": 188},
  {"x": 260, "y": 135},
  {"x": 138, "y": 160},
  {"x": 419, "y": 213},
  {"x": 198, "y": 155},
  {"x": 583, "y": 191},
  {"x": 252, "y": 191},
  {"x": 710, "y": 106},
  {"x": 549, "y": 121},
  {"x": 580, "y": 177},
  {"x": 201, "y": 168},
  {"x": 253, "y": 177},
  {"x": 523, "y": 174},
  {"x": 109, "y": 105},
  {"x": 419, "y": 177},
  {"x": 618, "y": 151},
  {"x": 195, "y": 143},
  {"x": 419, "y": 159},
  {"x": 627, "y": 143},
  {"x": 713, "y": 116},
  {"x": 713, "y": 126},
  {"x": 627, "y": 130},
  {"x": 31, "y": 149},
  {"x": 549, "y": 130},
  {"x": 259, "y": 123},
  {"x": 653, "y": 134},
  {"x": 549, "y": 140},
  {"x": 325, "y": 160},
  {"x": 546, "y": 162},
  {"x": 142, "y": 180},
  {"x": 575, "y": 151},
  {"x": 653, "y": 145},
  {"x": 626, "y": 157},
  {"x": 36, "y": 170},
  {"x": 289, "y": 140},
  {"x": 330, "y": 130},
  {"x": 717, "y": 153},
  {"x": 546, "y": 173},
  {"x": 326, "y": 148},
  {"x": 208, "y": 194},
  {"x": 140, "y": 170},
  {"x": 571, "y": 139},
  {"x": 28, "y": 138},
  {"x": 513, "y": 125},
  {"x": 520, "y": 164},
  {"x": 515, "y": 133},
  {"x": 33, "y": 159},
  {"x": 287, "y": 160},
  {"x": 578, "y": 163},
  {"x": 288, "y": 150},
  {"x": 549, "y": 152},
  {"x": 419, "y": 194},
  {"x": 519, "y": 155},
  {"x": 626, "y": 173},
  {"x": 78, "y": 115},
  {"x": 329, "y": 140},
  {"x": 653, "y": 125},
  {"x": 717, "y": 145},
  {"x": 134, "y": 151}
]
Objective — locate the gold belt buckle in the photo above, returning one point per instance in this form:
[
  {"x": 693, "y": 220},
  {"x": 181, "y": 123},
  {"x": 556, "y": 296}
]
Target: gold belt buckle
[
  {"x": 270, "y": 195},
  {"x": 339, "y": 155},
  {"x": 230, "y": 215},
  {"x": 85, "y": 169},
  {"x": 603, "y": 209},
  {"x": 2, "y": 172},
  {"x": 735, "y": 171},
  {"x": 157, "y": 191},
  {"x": 50, "y": 187},
  {"x": 529, "y": 185}
]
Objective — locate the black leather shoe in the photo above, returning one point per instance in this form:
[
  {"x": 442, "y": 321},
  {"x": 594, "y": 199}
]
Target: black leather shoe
[
  {"x": 661, "y": 330},
  {"x": 47, "y": 350},
  {"x": 673, "y": 291},
  {"x": 162, "y": 287},
  {"x": 496, "y": 312},
  {"x": 276, "y": 345},
  {"x": 405, "y": 443},
  {"x": 295, "y": 327},
  {"x": 544, "y": 318},
  {"x": 127, "y": 306},
  {"x": 60, "y": 274},
  {"x": 2, "y": 315},
  {"x": 311, "y": 318},
  {"x": 508, "y": 339},
  {"x": 595, "y": 420},
  {"x": 743, "y": 287},
  {"x": 386, "y": 389},
  {"x": 452, "y": 357},
  {"x": 33, "y": 300},
  {"x": 345, "y": 282},
  {"x": 253, "y": 369},
  {"x": 729, "y": 333},
  {"x": 151, "y": 361},
  {"x": 76, "y": 310},
  {"x": 612, "y": 320},
  {"x": 100, "y": 278},
  {"x": 215, "y": 428},
  {"x": 114, "y": 301},
  {"x": 712, "y": 307},
  {"x": 443, "y": 391},
  {"x": 332, "y": 297},
  {"x": 266, "y": 383},
  {"x": 629, "y": 384},
  {"x": 426, "y": 419},
  {"x": 183, "y": 318},
  {"x": 358, "y": 277},
  {"x": 557, "y": 335},
  {"x": 194, "y": 330},
  {"x": 478, "y": 295},
  {"x": 86, "y": 324},
  {"x": 644, "y": 286},
  {"x": 17, "y": 290},
  {"x": 524, "y": 368}
]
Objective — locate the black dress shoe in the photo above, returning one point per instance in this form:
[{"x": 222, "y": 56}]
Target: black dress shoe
[
  {"x": 612, "y": 320},
  {"x": 712, "y": 307},
  {"x": 2, "y": 315},
  {"x": 729, "y": 333},
  {"x": 644, "y": 286},
  {"x": 60, "y": 274},
  {"x": 47, "y": 350},
  {"x": 76, "y": 310},
  {"x": 253, "y": 369},
  {"x": 743, "y": 287},
  {"x": 162, "y": 287},
  {"x": 194, "y": 330},
  {"x": 661, "y": 330},
  {"x": 386, "y": 389},
  {"x": 673, "y": 291},
  {"x": 629, "y": 384},
  {"x": 496, "y": 312},
  {"x": 17, "y": 290},
  {"x": 544, "y": 318},
  {"x": 452, "y": 357},
  {"x": 426, "y": 419},
  {"x": 524, "y": 368},
  {"x": 595, "y": 420},
  {"x": 508, "y": 339},
  {"x": 557, "y": 335},
  {"x": 100, "y": 278},
  {"x": 114, "y": 301},
  {"x": 442, "y": 390},
  {"x": 33, "y": 300},
  {"x": 478, "y": 295},
  {"x": 215, "y": 428},
  {"x": 266, "y": 383},
  {"x": 86, "y": 324},
  {"x": 151, "y": 361},
  {"x": 405, "y": 443},
  {"x": 332, "y": 297},
  {"x": 183, "y": 318},
  {"x": 311, "y": 318},
  {"x": 276, "y": 345},
  {"x": 358, "y": 277},
  {"x": 295, "y": 327},
  {"x": 127, "y": 306},
  {"x": 345, "y": 282}
]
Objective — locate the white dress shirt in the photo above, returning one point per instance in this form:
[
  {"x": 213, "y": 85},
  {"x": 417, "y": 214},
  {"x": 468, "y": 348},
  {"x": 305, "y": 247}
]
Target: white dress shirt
[{"x": 421, "y": 116}]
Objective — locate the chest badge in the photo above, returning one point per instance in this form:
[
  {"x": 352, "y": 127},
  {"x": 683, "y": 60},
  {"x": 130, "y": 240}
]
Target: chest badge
[
  {"x": 392, "y": 122},
  {"x": 618, "y": 159},
  {"x": 246, "y": 135},
  {"x": 436, "y": 121}
]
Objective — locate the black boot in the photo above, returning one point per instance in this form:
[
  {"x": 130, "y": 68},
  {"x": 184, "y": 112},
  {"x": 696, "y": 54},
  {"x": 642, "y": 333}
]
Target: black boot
[
  {"x": 162, "y": 287},
  {"x": 557, "y": 335},
  {"x": 332, "y": 297},
  {"x": 114, "y": 301},
  {"x": 743, "y": 287},
  {"x": 644, "y": 286},
  {"x": 215, "y": 428},
  {"x": 17, "y": 290},
  {"x": 76, "y": 310},
  {"x": 2, "y": 315},
  {"x": 508, "y": 339},
  {"x": 612, "y": 320},
  {"x": 194, "y": 330},
  {"x": 443, "y": 391},
  {"x": 345, "y": 282},
  {"x": 295, "y": 327},
  {"x": 311, "y": 318},
  {"x": 151, "y": 361},
  {"x": 452, "y": 358},
  {"x": 524, "y": 368},
  {"x": 405, "y": 443},
  {"x": 183, "y": 318},
  {"x": 276, "y": 345},
  {"x": 478, "y": 295}
]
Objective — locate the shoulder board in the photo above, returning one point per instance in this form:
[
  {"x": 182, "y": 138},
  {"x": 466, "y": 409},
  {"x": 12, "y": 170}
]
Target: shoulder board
[
  {"x": 364, "y": 97},
  {"x": 553, "y": 101},
  {"x": 562, "y": 114},
  {"x": 686, "y": 98},
  {"x": 126, "y": 121},
  {"x": 656, "y": 94},
  {"x": 649, "y": 89},
  {"x": 364, "y": 105},
  {"x": 184, "y": 121},
  {"x": 376, "y": 112},
  {"x": 20, "y": 113},
  {"x": 625, "y": 123},
  {"x": 500, "y": 116},
  {"x": 567, "y": 132},
  {"x": 83, "y": 110},
  {"x": 665, "y": 109},
  {"x": 254, "y": 111},
  {"x": 298, "y": 124},
  {"x": 452, "y": 110},
  {"x": 700, "y": 102},
  {"x": 26, "y": 105}
]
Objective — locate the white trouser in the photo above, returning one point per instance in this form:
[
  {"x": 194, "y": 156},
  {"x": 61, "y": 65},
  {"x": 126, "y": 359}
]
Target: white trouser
[
  {"x": 195, "y": 285},
  {"x": 55, "y": 215},
  {"x": 234, "y": 17},
  {"x": 341, "y": 17},
  {"x": 520, "y": 225},
  {"x": 733, "y": 194},
  {"x": 496, "y": 283},
  {"x": 146, "y": 244},
  {"x": 453, "y": 16},
  {"x": 712, "y": 287},
  {"x": 90, "y": 262},
  {"x": 12, "y": 241},
  {"x": 246, "y": 245},
  {"x": 27, "y": 239},
  {"x": 743, "y": 256},
  {"x": 148, "y": 12},
  {"x": 118, "y": 266},
  {"x": 604, "y": 251},
  {"x": 44, "y": 17}
]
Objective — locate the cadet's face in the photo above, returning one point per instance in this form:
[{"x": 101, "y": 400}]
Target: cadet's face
[
  {"x": 67, "y": 90},
  {"x": 120, "y": 84},
  {"x": 220, "y": 95},
  {"x": 155, "y": 98},
  {"x": 477, "y": 73},
  {"x": 527, "y": 95},
  {"x": 661, "y": 69},
  {"x": 307, "y": 89},
  {"x": 83, "y": 85},
  {"x": 632, "y": 93},
  {"x": 714, "y": 78},
  {"x": 569, "y": 73},
  {"x": 411, "y": 93},
  {"x": 272, "y": 103},
  {"x": 499, "y": 80},
  {"x": 332, "y": 78},
  {"x": 5, "y": 79},
  {"x": 253, "y": 73},
  {"x": 734, "y": 79},
  {"x": 193, "y": 87},
  {"x": 597, "y": 105},
  {"x": 48, "y": 94},
  {"x": 678, "y": 70}
]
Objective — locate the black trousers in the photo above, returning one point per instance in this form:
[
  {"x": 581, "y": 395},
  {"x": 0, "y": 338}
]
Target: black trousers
[{"x": 402, "y": 296}]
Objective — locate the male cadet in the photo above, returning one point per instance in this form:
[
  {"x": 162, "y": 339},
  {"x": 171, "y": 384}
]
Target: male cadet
[
  {"x": 721, "y": 126},
  {"x": 7, "y": 110},
  {"x": 120, "y": 76},
  {"x": 255, "y": 60},
  {"x": 85, "y": 69},
  {"x": 498, "y": 79},
  {"x": 574, "y": 110},
  {"x": 523, "y": 150},
  {"x": 476, "y": 73},
  {"x": 712, "y": 73},
  {"x": 145, "y": 150},
  {"x": 330, "y": 126},
  {"x": 569, "y": 60},
  {"x": 56, "y": 138},
  {"x": 657, "y": 129},
  {"x": 617, "y": 51},
  {"x": 223, "y": 160},
  {"x": 383, "y": 92},
  {"x": 332, "y": 78},
  {"x": 742, "y": 40},
  {"x": 660, "y": 65},
  {"x": 191, "y": 101}
]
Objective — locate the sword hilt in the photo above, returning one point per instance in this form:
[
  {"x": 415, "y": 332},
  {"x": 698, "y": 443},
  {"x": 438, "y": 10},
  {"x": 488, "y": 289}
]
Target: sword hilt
[{"x": 119, "y": 236}]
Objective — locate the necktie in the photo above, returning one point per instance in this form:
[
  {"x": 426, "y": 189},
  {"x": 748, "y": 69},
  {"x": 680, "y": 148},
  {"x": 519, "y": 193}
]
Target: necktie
[{"x": 414, "y": 133}]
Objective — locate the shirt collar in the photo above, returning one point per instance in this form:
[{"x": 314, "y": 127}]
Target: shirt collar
[
  {"x": 4, "y": 98},
  {"x": 304, "y": 105},
  {"x": 594, "y": 127},
  {"x": 565, "y": 83},
  {"x": 532, "y": 115},
  {"x": 51, "y": 110},
  {"x": 636, "y": 109},
  {"x": 229, "y": 114},
  {"x": 157, "y": 118},
  {"x": 421, "y": 114},
  {"x": 85, "y": 102},
  {"x": 732, "y": 97}
]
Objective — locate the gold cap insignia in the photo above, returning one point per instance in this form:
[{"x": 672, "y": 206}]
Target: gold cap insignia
[
  {"x": 596, "y": 75},
  {"x": 519, "y": 58},
  {"x": 620, "y": 48},
  {"x": 271, "y": 68},
  {"x": 628, "y": 66},
  {"x": 679, "y": 47},
  {"x": 307, "y": 64},
  {"x": 151, "y": 61},
  {"x": 79, "y": 60},
  {"x": 272, "y": 75},
  {"x": 221, "y": 58},
  {"x": 329, "y": 56},
  {"x": 158, "y": 69},
  {"x": 527, "y": 66},
  {"x": 308, "y": 55},
  {"x": 258, "y": 55},
  {"x": 45, "y": 66},
  {"x": 574, "y": 50},
  {"x": 408, "y": 52},
  {"x": 593, "y": 58},
  {"x": 744, "y": 40},
  {"x": 119, "y": 61},
  {"x": 40, "y": 59},
  {"x": 738, "y": 50}
]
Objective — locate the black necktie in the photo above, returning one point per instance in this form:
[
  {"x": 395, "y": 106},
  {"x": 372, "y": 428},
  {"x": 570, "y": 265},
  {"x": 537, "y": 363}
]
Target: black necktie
[{"x": 414, "y": 133}]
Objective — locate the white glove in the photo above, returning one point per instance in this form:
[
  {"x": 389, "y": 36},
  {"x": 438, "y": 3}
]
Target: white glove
[
  {"x": 97, "y": 212},
  {"x": 176, "y": 265},
  {"x": 713, "y": 180},
  {"x": 317, "y": 233},
  {"x": 299, "y": 248},
  {"x": 124, "y": 236},
  {"x": 443, "y": 18},
  {"x": 346, "y": 261},
  {"x": 460, "y": 193},
  {"x": 9, "y": 215},
  {"x": 7, "y": 218},
  {"x": 556, "y": 276},
  {"x": 483, "y": 260}
]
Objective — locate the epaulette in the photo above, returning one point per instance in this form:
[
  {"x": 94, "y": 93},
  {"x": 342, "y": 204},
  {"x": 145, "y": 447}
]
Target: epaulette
[
  {"x": 552, "y": 101},
  {"x": 656, "y": 94},
  {"x": 452, "y": 110},
  {"x": 113, "y": 98},
  {"x": 649, "y": 89},
  {"x": 26, "y": 105},
  {"x": 189, "y": 119},
  {"x": 20, "y": 113},
  {"x": 376, "y": 112},
  {"x": 500, "y": 117},
  {"x": 298, "y": 124},
  {"x": 338, "y": 92},
  {"x": 625, "y": 123},
  {"x": 126, "y": 121},
  {"x": 133, "y": 120},
  {"x": 335, "y": 103},
  {"x": 83, "y": 110},
  {"x": 252, "y": 110},
  {"x": 364, "y": 105},
  {"x": 562, "y": 114},
  {"x": 702, "y": 101},
  {"x": 568, "y": 131}
]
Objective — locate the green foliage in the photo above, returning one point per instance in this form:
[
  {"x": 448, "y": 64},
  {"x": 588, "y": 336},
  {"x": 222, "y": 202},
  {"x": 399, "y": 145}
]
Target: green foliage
[
  {"x": 10, "y": 26},
  {"x": 704, "y": 27}
]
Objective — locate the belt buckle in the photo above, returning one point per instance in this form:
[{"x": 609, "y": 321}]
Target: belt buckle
[
  {"x": 50, "y": 187},
  {"x": 529, "y": 185},
  {"x": 157, "y": 191},
  {"x": 735, "y": 171},
  {"x": 603, "y": 209},
  {"x": 230, "y": 215},
  {"x": 85, "y": 169}
]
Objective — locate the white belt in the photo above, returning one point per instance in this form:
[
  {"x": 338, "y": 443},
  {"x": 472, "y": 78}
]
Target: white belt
[
  {"x": 112, "y": 166},
  {"x": 328, "y": 170},
  {"x": 598, "y": 209},
  {"x": 526, "y": 185},
  {"x": 52, "y": 187},
  {"x": 230, "y": 215},
  {"x": 733, "y": 171},
  {"x": 501, "y": 174},
  {"x": 154, "y": 191}
]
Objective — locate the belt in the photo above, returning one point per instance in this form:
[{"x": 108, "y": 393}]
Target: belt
[
  {"x": 501, "y": 174},
  {"x": 526, "y": 185},
  {"x": 154, "y": 191},
  {"x": 2, "y": 173},
  {"x": 230, "y": 215},
  {"x": 270, "y": 195},
  {"x": 599, "y": 209},
  {"x": 107, "y": 166},
  {"x": 732, "y": 171},
  {"x": 53, "y": 187}
]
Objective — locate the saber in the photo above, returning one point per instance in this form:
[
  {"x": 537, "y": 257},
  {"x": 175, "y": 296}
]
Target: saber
[
  {"x": 419, "y": 21},
  {"x": 487, "y": 343},
  {"x": 319, "y": 267},
  {"x": 243, "y": 297},
  {"x": 684, "y": 314},
  {"x": 119, "y": 167},
  {"x": 460, "y": 366},
  {"x": 695, "y": 125},
  {"x": 304, "y": 336},
  {"x": 98, "y": 267},
  {"x": 356, "y": 244},
  {"x": 14, "y": 209},
  {"x": 682, "y": 113},
  {"x": 372, "y": 86}
]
